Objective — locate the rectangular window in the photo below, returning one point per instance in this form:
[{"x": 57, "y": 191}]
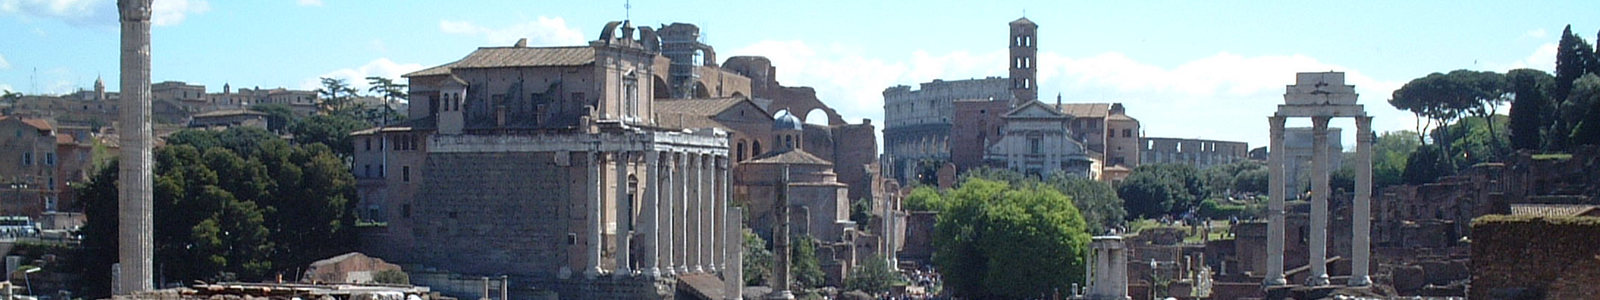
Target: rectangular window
[
  {"x": 27, "y": 158},
  {"x": 405, "y": 210},
  {"x": 1127, "y": 133},
  {"x": 405, "y": 173},
  {"x": 1033, "y": 146},
  {"x": 366, "y": 171},
  {"x": 49, "y": 159},
  {"x": 369, "y": 143}
]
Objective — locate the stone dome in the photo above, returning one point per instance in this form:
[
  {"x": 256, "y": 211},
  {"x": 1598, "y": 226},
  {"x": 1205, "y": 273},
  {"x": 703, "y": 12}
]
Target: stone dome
[{"x": 786, "y": 121}]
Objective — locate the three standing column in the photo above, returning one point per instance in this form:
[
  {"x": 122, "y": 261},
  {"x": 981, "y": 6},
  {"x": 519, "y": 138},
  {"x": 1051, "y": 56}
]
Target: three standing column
[
  {"x": 1361, "y": 213},
  {"x": 1275, "y": 198}
]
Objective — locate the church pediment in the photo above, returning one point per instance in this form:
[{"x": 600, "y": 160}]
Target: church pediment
[{"x": 1034, "y": 109}]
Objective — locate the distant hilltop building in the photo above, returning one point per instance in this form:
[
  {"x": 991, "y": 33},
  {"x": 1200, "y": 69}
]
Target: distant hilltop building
[{"x": 992, "y": 122}]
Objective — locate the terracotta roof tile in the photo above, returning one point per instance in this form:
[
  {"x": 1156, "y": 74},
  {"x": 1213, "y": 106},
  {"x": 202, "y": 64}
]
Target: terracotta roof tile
[
  {"x": 797, "y": 157},
  {"x": 494, "y": 57},
  {"x": 1085, "y": 110}
]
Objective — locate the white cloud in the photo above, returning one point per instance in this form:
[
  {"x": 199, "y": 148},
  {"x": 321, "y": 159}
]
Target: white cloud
[
  {"x": 77, "y": 12},
  {"x": 1224, "y": 96},
  {"x": 100, "y": 12},
  {"x": 542, "y": 32},
  {"x": 3, "y": 63},
  {"x": 1542, "y": 58},
  {"x": 309, "y": 2},
  {"x": 172, "y": 12},
  {"x": 357, "y": 77},
  {"x": 1538, "y": 33}
]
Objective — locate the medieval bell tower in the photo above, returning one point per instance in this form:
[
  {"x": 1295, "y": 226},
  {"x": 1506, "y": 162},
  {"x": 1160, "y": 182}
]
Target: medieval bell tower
[{"x": 1024, "y": 54}]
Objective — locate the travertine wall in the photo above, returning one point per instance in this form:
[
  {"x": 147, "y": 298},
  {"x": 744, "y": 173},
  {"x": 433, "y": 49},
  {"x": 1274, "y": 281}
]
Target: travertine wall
[{"x": 488, "y": 213}]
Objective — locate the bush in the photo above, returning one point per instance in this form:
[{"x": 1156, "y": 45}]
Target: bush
[{"x": 391, "y": 277}]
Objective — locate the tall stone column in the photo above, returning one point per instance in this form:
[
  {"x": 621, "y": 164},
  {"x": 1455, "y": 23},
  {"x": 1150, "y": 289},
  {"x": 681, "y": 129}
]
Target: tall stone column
[
  {"x": 666, "y": 214},
  {"x": 780, "y": 239},
  {"x": 733, "y": 272},
  {"x": 592, "y": 251},
  {"x": 685, "y": 184},
  {"x": 1319, "y": 202},
  {"x": 651, "y": 225},
  {"x": 623, "y": 205},
  {"x": 708, "y": 209},
  {"x": 719, "y": 215},
  {"x": 1361, "y": 213},
  {"x": 135, "y": 192},
  {"x": 699, "y": 214},
  {"x": 1275, "y": 198}
]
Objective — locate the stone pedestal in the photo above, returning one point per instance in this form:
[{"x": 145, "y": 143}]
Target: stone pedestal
[{"x": 1111, "y": 269}]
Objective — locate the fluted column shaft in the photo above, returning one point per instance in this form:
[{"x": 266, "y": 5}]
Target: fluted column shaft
[
  {"x": 135, "y": 231},
  {"x": 623, "y": 206},
  {"x": 648, "y": 212},
  {"x": 592, "y": 251},
  {"x": 1319, "y": 202},
  {"x": 681, "y": 212},
  {"x": 1361, "y": 214},
  {"x": 1275, "y": 198},
  {"x": 667, "y": 214}
]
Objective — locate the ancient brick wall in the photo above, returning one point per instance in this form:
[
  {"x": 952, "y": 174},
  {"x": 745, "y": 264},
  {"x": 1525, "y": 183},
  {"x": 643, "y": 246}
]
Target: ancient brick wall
[
  {"x": 980, "y": 127},
  {"x": 1515, "y": 256}
]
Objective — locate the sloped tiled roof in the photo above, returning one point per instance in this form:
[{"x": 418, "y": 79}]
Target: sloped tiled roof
[
  {"x": 794, "y": 157},
  {"x": 694, "y": 113},
  {"x": 39, "y": 124},
  {"x": 1552, "y": 210},
  {"x": 62, "y": 138},
  {"x": 494, "y": 57},
  {"x": 1085, "y": 110},
  {"x": 230, "y": 112}
]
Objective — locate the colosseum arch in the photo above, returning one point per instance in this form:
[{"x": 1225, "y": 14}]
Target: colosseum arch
[
  {"x": 806, "y": 104},
  {"x": 815, "y": 116}
]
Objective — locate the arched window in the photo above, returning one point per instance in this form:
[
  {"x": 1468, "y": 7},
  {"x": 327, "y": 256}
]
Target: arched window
[{"x": 755, "y": 148}]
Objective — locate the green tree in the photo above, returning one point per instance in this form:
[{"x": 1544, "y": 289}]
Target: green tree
[
  {"x": 331, "y": 130},
  {"x": 1389, "y": 155},
  {"x": 279, "y": 115},
  {"x": 237, "y": 204},
  {"x": 390, "y": 92},
  {"x": 1574, "y": 57},
  {"x": 391, "y": 277},
  {"x": 1531, "y": 107},
  {"x": 757, "y": 260},
  {"x": 338, "y": 98},
  {"x": 1252, "y": 181},
  {"x": 1446, "y": 97},
  {"x": 99, "y": 245},
  {"x": 1578, "y": 107},
  {"x": 998, "y": 242},
  {"x": 1096, "y": 200},
  {"x": 803, "y": 264},
  {"x": 1156, "y": 189},
  {"x": 873, "y": 276},
  {"x": 1426, "y": 164},
  {"x": 924, "y": 198}
]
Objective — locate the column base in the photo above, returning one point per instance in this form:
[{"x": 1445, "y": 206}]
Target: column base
[
  {"x": 1360, "y": 281},
  {"x": 1275, "y": 281},
  {"x": 1317, "y": 280},
  {"x": 623, "y": 272},
  {"x": 651, "y": 272},
  {"x": 591, "y": 273},
  {"x": 780, "y": 295},
  {"x": 698, "y": 269}
]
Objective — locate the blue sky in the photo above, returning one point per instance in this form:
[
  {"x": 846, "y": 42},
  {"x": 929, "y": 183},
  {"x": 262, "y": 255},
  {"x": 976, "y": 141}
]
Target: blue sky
[{"x": 1189, "y": 69}]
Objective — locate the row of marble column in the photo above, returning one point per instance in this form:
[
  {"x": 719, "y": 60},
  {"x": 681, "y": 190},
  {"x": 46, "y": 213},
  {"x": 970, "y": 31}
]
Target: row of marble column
[
  {"x": 682, "y": 216},
  {"x": 1361, "y": 210}
]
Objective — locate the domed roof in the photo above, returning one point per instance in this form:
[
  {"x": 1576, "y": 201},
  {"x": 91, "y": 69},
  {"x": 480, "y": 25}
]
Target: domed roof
[{"x": 786, "y": 121}]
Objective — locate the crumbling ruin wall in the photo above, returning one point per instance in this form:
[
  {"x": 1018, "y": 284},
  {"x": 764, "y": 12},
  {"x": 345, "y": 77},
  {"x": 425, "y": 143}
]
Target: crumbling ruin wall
[{"x": 1541, "y": 257}]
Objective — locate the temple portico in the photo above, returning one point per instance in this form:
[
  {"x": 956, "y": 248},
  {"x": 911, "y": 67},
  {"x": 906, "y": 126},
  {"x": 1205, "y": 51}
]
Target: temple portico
[{"x": 1321, "y": 97}]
